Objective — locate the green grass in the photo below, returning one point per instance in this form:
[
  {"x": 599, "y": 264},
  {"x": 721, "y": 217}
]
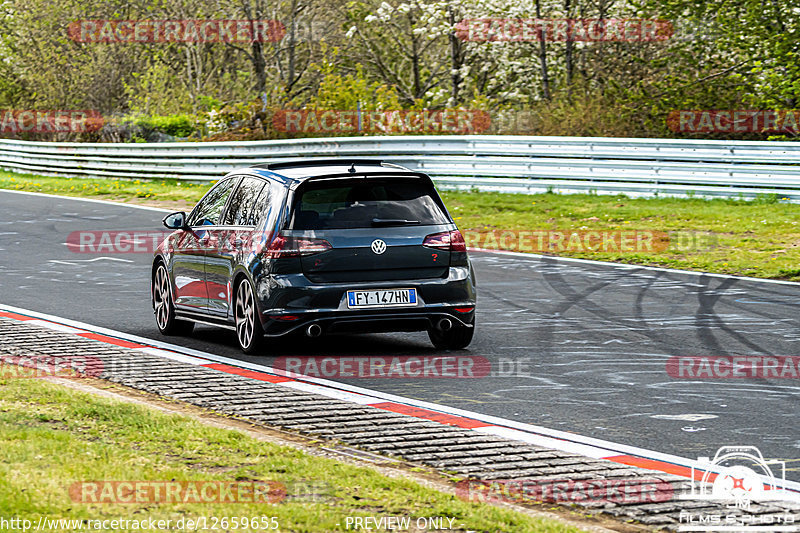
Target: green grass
[
  {"x": 53, "y": 436},
  {"x": 759, "y": 238},
  {"x": 108, "y": 189}
]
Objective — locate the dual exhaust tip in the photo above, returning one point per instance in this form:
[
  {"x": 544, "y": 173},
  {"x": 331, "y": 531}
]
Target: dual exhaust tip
[{"x": 315, "y": 330}]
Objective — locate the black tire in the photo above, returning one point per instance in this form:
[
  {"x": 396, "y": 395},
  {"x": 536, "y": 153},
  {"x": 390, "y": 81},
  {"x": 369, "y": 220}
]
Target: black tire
[
  {"x": 456, "y": 338},
  {"x": 164, "y": 307},
  {"x": 249, "y": 331}
]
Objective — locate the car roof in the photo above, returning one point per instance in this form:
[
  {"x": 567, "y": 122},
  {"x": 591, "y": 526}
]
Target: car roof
[{"x": 292, "y": 173}]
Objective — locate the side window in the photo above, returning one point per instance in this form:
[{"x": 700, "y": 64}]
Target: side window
[
  {"x": 208, "y": 212},
  {"x": 261, "y": 207},
  {"x": 242, "y": 206}
]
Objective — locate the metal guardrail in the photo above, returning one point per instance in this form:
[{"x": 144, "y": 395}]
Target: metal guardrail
[{"x": 637, "y": 167}]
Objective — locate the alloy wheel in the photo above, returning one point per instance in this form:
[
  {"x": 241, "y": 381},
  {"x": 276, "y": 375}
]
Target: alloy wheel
[
  {"x": 245, "y": 314},
  {"x": 161, "y": 298}
]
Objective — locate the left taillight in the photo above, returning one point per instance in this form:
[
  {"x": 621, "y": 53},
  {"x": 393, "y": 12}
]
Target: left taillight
[
  {"x": 452, "y": 241},
  {"x": 284, "y": 246}
]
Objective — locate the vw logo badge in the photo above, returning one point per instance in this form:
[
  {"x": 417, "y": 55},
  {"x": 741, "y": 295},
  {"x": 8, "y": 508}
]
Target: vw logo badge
[{"x": 378, "y": 246}]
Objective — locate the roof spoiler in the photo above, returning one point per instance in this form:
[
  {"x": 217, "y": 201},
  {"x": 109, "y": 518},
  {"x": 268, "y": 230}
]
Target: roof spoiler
[{"x": 322, "y": 162}]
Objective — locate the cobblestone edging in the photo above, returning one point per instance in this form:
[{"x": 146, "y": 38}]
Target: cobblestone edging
[{"x": 460, "y": 451}]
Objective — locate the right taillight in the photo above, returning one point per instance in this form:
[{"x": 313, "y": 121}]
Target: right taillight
[
  {"x": 457, "y": 242},
  {"x": 283, "y": 246},
  {"x": 451, "y": 241}
]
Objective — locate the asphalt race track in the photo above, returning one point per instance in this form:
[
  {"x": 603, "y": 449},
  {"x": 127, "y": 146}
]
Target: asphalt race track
[{"x": 573, "y": 346}]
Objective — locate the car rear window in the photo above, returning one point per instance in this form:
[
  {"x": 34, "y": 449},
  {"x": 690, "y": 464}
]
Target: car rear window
[{"x": 364, "y": 203}]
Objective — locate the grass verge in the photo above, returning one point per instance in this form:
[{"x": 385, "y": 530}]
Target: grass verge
[
  {"x": 758, "y": 238},
  {"x": 170, "y": 193},
  {"x": 53, "y": 436}
]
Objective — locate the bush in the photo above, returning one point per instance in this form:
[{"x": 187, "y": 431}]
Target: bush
[{"x": 173, "y": 125}]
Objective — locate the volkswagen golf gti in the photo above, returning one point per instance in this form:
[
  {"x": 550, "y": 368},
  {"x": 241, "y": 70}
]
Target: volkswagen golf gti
[{"x": 314, "y": 247}]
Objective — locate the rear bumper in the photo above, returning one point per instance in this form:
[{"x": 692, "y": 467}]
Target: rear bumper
[
  {"x": 362, "y": 322},
  {"x": 291, "y": 303}
]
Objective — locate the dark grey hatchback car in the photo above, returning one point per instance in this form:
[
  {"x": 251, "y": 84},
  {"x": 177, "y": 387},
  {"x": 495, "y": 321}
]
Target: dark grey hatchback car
[{"x": 314, "y": 247}]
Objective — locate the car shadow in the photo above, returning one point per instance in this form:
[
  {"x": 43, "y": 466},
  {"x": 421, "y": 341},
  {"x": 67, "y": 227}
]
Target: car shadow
[
  {"x": 341, "y": 345},
  {"x": 223, "y": 342}
]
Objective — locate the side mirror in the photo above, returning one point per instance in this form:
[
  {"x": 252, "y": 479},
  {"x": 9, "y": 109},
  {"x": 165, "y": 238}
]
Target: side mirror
[{"x": 175, "y": 220}]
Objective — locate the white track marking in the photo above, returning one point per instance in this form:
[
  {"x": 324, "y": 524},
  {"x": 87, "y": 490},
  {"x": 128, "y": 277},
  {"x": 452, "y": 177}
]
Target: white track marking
[
  {"x": 360, "y": 399},
  {"x": 547, "y": 442},
  {"x": 72, "y": 262},
  {"x": 555, "y": 439},
  {"x": 56, "y": 327},
  {"x": 174, "y": 356}
]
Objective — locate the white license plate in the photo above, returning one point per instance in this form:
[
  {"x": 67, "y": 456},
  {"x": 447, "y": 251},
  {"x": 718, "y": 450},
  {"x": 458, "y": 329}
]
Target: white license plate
[{"x": 381, "y": 298}]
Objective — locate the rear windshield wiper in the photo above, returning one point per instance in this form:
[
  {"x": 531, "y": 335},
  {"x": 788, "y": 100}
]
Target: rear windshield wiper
[{"x": 393, "y": 222}]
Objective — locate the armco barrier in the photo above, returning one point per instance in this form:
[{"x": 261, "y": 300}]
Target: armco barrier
[{"x": 637, "y": 167}]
